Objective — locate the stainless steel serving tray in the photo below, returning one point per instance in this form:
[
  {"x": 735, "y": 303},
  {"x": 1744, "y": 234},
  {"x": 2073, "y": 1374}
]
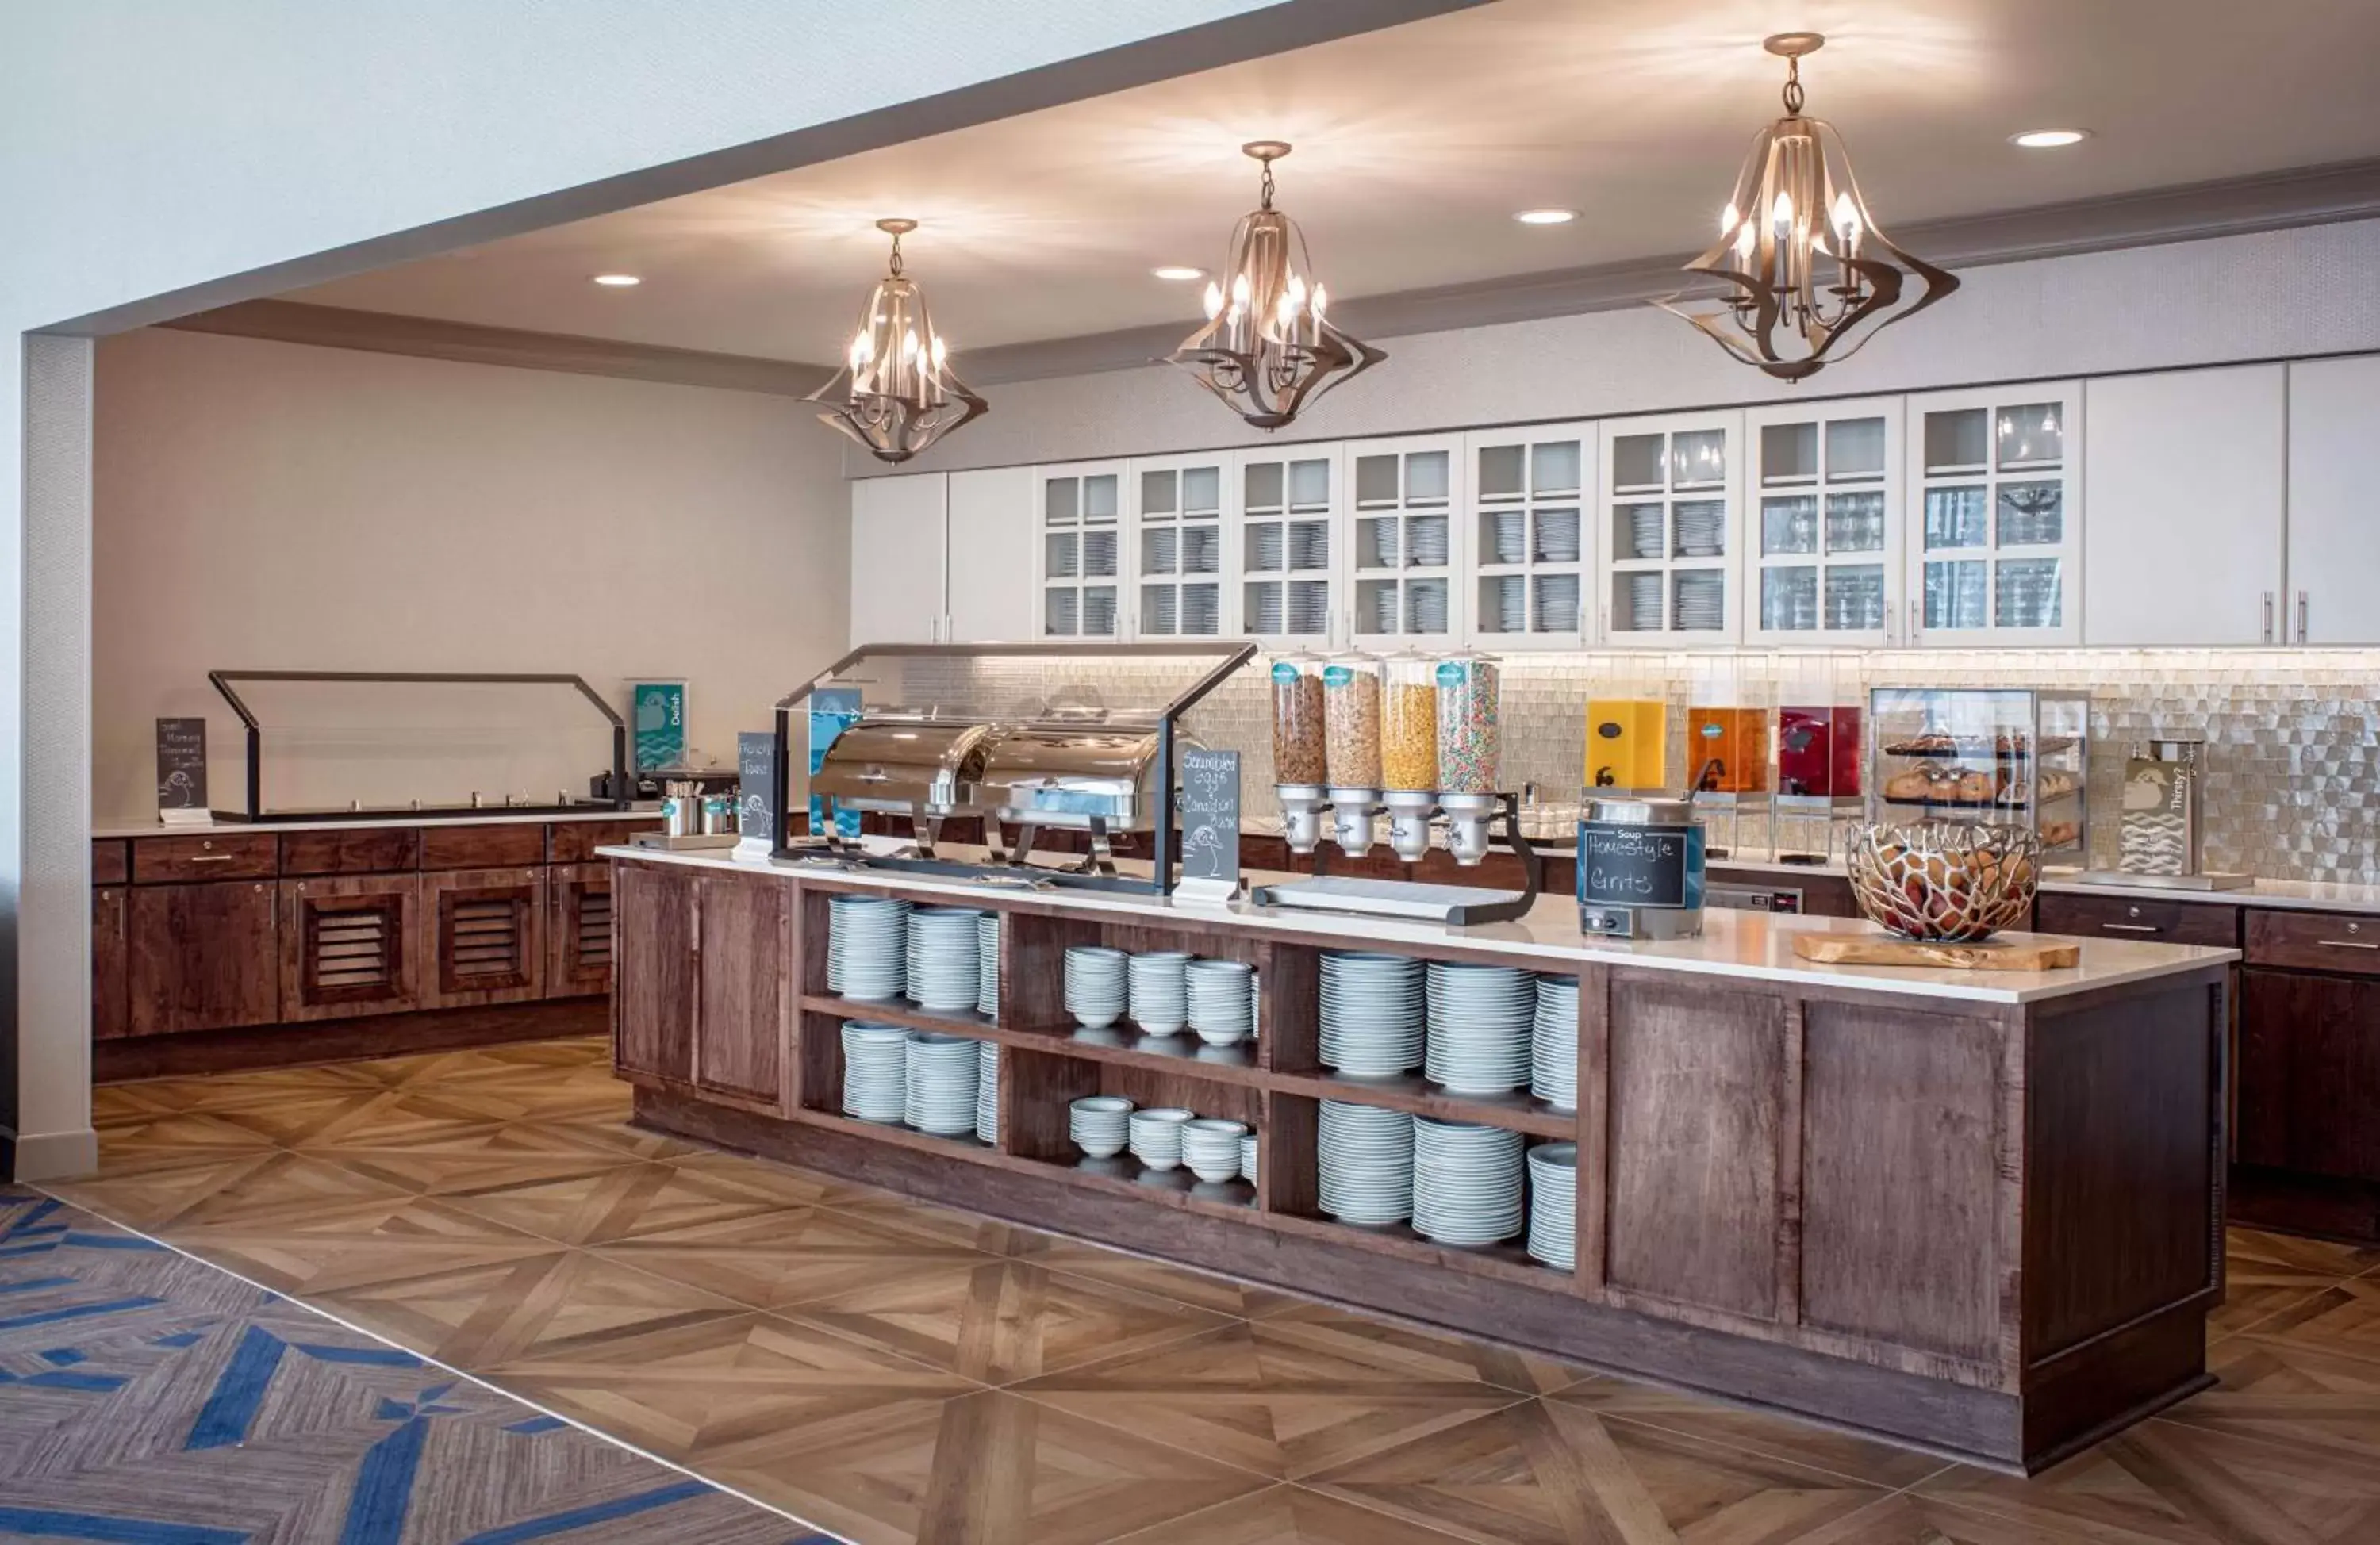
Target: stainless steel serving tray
[
  {"x": 905, "y": 764},
  {"x": 1065, "y": 773}
]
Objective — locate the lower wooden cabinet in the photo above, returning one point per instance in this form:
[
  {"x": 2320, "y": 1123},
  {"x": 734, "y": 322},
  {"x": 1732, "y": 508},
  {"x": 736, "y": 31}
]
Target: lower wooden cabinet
[
  {"x": 654, "y": 970},
  {"x": 110, "y": 996},
  {"x": 200, "y": 956},
  {"x": 578, "y": 930},
  {"x": 350, "y": 946},
  {"x": 2309, "y": 1073},
  {"x": 483, "y": 937},
  {"x": 745, "y": 969}
]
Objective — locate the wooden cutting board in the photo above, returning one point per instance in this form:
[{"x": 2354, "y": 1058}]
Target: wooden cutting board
[{"x": 1862, "y": 950}]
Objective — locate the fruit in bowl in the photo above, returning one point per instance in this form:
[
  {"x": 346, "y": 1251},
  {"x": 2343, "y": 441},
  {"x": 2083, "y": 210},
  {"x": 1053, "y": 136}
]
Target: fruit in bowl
[{"x": 1944, "y": 883}]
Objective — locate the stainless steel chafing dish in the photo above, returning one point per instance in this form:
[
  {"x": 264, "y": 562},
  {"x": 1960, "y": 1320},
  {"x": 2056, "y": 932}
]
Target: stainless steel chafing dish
[
  {"x": 1074, "y": 773},
  {"x": 906, "y": 765}
]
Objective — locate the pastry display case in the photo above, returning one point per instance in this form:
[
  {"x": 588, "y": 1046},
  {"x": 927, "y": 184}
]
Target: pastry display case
[{"x": 2002, "y": 755}]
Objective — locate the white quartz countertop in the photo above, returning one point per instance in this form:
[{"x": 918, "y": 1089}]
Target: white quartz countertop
[
  {"x": 128, "y": 826},
  {"x": 1742, "y": 944}
]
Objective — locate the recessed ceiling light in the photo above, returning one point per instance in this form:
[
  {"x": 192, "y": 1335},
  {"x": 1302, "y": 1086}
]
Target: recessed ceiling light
[
  {"x": 2049, "y": 139},
  {"x": 1178, "y": 274},
  {"x": 617, "y": 280},
  {"x": 1546, "y": 217}
]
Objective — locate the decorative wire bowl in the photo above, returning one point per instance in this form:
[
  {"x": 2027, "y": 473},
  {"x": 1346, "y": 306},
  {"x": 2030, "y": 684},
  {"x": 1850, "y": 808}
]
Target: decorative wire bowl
[{"x": 1944, "y": 883}]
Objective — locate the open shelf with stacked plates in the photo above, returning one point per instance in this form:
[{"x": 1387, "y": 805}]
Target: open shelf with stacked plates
[
  {"x": 1667, "y": 524},
  {"x": 1532, "y": 553},
  {"x": 1289, "y": 508},
  {"x": 1079, "y": 555},
  {"x": 1404, "y": 553},
  {"x": 1824, "y": 503},
  {"x": 1995, "y": 555},
  {"x": 1181, "y": 508}
]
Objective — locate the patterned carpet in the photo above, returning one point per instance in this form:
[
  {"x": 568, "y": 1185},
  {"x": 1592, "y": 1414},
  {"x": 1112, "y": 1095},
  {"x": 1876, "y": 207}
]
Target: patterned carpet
[{"x": 894, "y": 1372}]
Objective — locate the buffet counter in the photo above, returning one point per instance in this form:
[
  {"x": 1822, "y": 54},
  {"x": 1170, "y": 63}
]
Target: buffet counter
[{"x": 1979, "y": 1214}]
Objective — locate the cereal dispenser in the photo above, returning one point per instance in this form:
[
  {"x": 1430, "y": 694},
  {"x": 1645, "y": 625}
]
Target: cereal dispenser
[
  {"x": 1470, "y": 750},
  {"x": 1300, "y": 756},
  {"x": 1409, "y": 751},
  {"x": 1350, "y": 725}
]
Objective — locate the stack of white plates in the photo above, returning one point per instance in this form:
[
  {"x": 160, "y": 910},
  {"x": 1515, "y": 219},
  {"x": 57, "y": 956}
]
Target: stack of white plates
[
  {"x": 1553, "y": 1043},
  {"x": 1157, "y": 1135},
  {"x": 866, "y": 944},
  {"x": 1222, "y": 1000},
  {"x": 945, "y": 959},
  {"x": 1158, "y": 604},
  {"x": 1384, "y": 605},
  {"x": 1425, "y": 606},
  {"x": 1557, "y": 608},
  {"x": 1702, "y": 529},
  {"x": 1644, "y": 593},
  {"x": 1504, "y": 603},
  {"x": 987, "y": 964},
  {"x": 1159, "y": 992},
  {"x": 1373, "y": 1023},
  {"x": 1644, "y": 531},
  {"x": 1063, "y": 615},
  {"x": 1309, "y": 607},
  {"x": 1553, "y": 1203},
  {"x": 1558, "y": 536},
  {"x": 875, "y": 1071},
  {"x": 940, "y": 1097},
  {"x": 1702, "y": 598},
  {"x": 1095, "y": 989},
  {"x": 1479, "y": 1019},
  {"x": 1381, "y": 535},
  {"x": 1509, "y": 537},
  {"x": 1425, "y": 541},
  {"x": 1099, "y": 610},
  {"x": 1097, "y": 1123},
  {"x": 1466, "y": 1182},
  {"x": 1309, "y": 546},
  {"x": 1363, "y": 1160},
  {"x": 1248, "y": 1158},
  {"x": 1265, "y": 549},
  {"x": 1161, "y": 548},
  {"x": 1211, "y": 1147},
  {"x": 987, "y": 1092},
  {"x": 1202, "y": 611}
]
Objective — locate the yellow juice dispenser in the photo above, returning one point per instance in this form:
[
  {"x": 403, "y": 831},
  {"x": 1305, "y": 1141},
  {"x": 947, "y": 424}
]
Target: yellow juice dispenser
[{"x": 1627, "y": 741}]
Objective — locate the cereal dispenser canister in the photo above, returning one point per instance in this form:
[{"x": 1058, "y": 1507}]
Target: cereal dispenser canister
[
  {"x": 1300, "y": 749},
  {"x": 1350, "y": 719},
  {"x": 1409, "y": 751},
  {"x": 1470, "y": 750}
]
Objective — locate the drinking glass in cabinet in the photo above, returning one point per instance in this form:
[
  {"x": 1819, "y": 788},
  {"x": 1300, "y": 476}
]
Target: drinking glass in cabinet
[
  {"x": 2033, "y": 514},
  {"x": 2030, "y": 595},
  {"x": 1698, "y": 459},
  {"x": 1637, "y": 531},
  {"x": 1788, "y": 599},
  {"x": 1856, "y": 598},
  {"x": 1854, "y": 449},
  {"x": 1957, "y": 517},
  {"x": 1557, "y": 533},
  {"x": 1955, "y": 594},
  {"x": 1957, "y": 441},
  {"x": 1309, "y": 484},
  {"x": 2029, "y": 435},
  {"x": 1790, "y": 525},
  {"x": 1555, "y": 467},
  {"x": 1788, "y": 453},
  {"x": 1855, "y": 521},
  {"x": 1700, "y": 529}
]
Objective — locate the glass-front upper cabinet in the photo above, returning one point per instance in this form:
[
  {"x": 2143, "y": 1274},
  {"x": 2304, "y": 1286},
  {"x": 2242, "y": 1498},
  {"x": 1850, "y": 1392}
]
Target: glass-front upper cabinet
[
  {"x": 1181, "y": 507},
  {"x": 1667, "y": 525},
  {"x": 1081, "y": 561},
  {"x": 1532, "y": 555},
  {"x": 1404, "y": 552},
  {"x": 1289, "y": 513},
  {"x": 1824, "y": 496},
  {"x": 1995, "y": 540}
]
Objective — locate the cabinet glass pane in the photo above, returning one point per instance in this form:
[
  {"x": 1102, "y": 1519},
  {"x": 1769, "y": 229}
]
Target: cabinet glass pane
[
  {"x": 1426, "y": 474},
  {"x": 1309, "y": 544},
  {"x": 1503, "y": 537},
  {"x": 1425, "y": 610},
  {"x": 1855, "y": 597},
  {"x": 1100, "y": 497},
  {"x": 1061, "y": 613},
  {"x": 1855, "y": 521},
  {"x": 1698, "y": 600},
  {"x": 1790, "y": 525},
  {"x": 1788, "y": 453},
  {"x": 1100, "y": 553},
  {"x": 1375, "y": 480},
  {"x": 2028, "y": 593},
  {"x": 1262, "y": 486},
  {"x": 1698, "y": 458},
  {"x": 1156, "y": 489},
  {"x": 1059, "y": 554},
  {"x": 1159, "y": 614},
  {"x": 1263, "y": 548},
  {"x": 1636, "y": 462},
  {"x": 1557, "y": 537},
  {"x": 1161, "y": 551},
  {"x": 1504, "y": 604},
  {"x": 2032, "y": 514},
  {"x": 1098, "y": 612},
  {"x": 1309, "y": 484},
  {"x": 1262, "y": 601},
  {"x": 1061, "y": 502},
  {"x": 1309, "y": 605},
  {"x": 1788, "y": 598},
  {"x": 1202, "y": 609},
  {"x": 1637, "y": 531},
  {"x": 1555, "y": 467},
  {"x": 2030, "y": 435},
  {"x": 1955, "y": 593},
  {"x": 1375, "y": 606},
  {"x": 1376, "y": 542},
  {"x": 1957, "y": 518},
  {"x": 1554, "y": 603},
  {"x": 1202, "y": 549},
  {"x": 1957, "y": 441},
  {"x": 1502, "y": 469},
  {"x": 1426, "y": 545},
  {"x": 1202, "y": 491},
  {"x": 1854, "y": 449},
  {"x": 1636, "y": 602},
  {"x": 1701, "y": 527}
]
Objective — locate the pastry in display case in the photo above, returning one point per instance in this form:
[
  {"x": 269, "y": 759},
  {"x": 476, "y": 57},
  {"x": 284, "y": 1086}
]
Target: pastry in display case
[{"x": 2001, "y": 756}]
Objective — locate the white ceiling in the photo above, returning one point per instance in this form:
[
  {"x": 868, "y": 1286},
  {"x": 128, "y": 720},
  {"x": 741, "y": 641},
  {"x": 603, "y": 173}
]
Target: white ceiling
[{"x": 1413, "y": 147}]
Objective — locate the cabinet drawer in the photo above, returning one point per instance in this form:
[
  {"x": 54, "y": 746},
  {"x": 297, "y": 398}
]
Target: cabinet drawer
[
  {"x": 111, "y": 861},
  {"x": 372, "y": 851},
  {"x": 489, "y": 847},
  {"x": 226, "y": 856},
  {"x": 2315, "y": 941},
  {"x": 2118, "y": 917},
  {"x": 576, "y": 842}
]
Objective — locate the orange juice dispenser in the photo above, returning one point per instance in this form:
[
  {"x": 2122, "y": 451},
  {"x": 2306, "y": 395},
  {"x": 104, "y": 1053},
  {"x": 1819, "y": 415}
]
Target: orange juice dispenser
[
  {"x": 1627, "y": 740},
  {"x": 1727, "y": 749}
]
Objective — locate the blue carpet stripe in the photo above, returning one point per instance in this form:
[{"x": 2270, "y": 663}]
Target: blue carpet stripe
[
  {"x": 34, "y": 1284},
  {"x": 223, "y": 1420},
  {"x": 383, "y": 1490},
  {"x": 596, "y": 1513},
  {"x": 374, "y": 1357},
  {"x": 110, "y": 1241},
  {"x": 536, "y": 1425},
  {"x": 42, "y": 1524},
  {"x": 78, "y": 1312}
]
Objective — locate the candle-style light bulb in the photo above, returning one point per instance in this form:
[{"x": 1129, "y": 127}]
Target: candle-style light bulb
[
  {"x": 1847, "y": 222},
  {"x": 1321, "y": 301},
  {"x": 1214, "y": 299},
  {"x": 1781, "y": 214},
  {"x": 1729, "y": 218}
]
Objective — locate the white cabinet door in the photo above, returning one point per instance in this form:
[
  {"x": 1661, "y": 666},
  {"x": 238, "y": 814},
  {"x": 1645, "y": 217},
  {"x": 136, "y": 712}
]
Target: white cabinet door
[
  {"x": 1403, "y": 554},
  {"x": 2334, "y": 512},
  {"x": 1291, "y": 505},
  {"x": 1080, "y": 551},
  {"x": 1993, "y": 531},
  {"x": 1181, "y": 509},
  {"x": 2183, "y": 477},
  {"x": 1527, "y": 542},
  {"x": 1823, "y": 516},
  {"x": 991, "y": 539},
  {"x": 897, "y": 535},
  {"x": 1669, "y": 529}
]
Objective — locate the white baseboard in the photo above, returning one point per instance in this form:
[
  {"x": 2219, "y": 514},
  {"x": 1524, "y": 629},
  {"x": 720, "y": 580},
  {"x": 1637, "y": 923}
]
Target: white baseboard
[{"x": 54, "y": 1155}]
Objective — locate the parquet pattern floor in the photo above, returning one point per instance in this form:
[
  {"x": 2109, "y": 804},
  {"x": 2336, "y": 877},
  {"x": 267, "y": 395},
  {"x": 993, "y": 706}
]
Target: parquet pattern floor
[{"x": 897, "y": 1373}]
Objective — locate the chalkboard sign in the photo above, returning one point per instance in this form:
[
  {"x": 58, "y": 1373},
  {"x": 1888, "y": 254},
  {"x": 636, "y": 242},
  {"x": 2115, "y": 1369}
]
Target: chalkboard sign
[
  {"x": 1210, "y": 818},
  {"x": 181, "y": 764},
  {"x": 1635, "y": 866},
  {"x": 756, "y": 794}
]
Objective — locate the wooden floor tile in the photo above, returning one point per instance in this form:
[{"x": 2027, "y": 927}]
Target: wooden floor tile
[
  {"x": 1908, "y": 1519},
  {"x": 506, "y": 1092},
  {"x": 1220, "y": 1295},
  {"x": 1778, "y": 1437},
  {"x": 2267, "y": 1272},
  {"x": 973, "y": 1230},
  {"x": 785, "y": 1258},
  {"x": 1287, "y": 1516},
  {"x": 2342, "y": 1319},
  {"x": 795, "y": 1187},
  {"x": 999, "y": 1321},
  {"x": 620, "y": 1137},
  {"x": 621, "y": 1202},
  {"x": 356, "y": 1245},
  {"x": 168, "y": 1140},
  {"x": 1261, "y": 1401},
  {"x": 490, "y": 1158},
  {"x": 2288, "y": 1393},
  {"x": 1542, "y": 1473},
  {"x": 1421, "y": 1353},
  {"x": 395, "y": 1116}
]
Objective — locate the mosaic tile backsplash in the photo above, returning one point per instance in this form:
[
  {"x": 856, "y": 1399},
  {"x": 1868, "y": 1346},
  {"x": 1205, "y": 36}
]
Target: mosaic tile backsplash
[{"x": 2292, "y": 774}]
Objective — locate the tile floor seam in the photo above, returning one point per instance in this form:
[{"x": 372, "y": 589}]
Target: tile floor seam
[
  {"x": 2279, "y": 1310},
  {"x": 1144, "y": 1436},
  {"x": 1755, "y": 1452}
]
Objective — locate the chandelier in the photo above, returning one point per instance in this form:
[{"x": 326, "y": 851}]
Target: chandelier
[
  {"x": 1810, "y": 277},
  {"x": 895, "y": 393},
  {"x": 1269, "y": 348}
]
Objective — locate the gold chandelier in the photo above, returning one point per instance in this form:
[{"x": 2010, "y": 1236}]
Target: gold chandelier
[
  {"x": 896, "y": 394},
  {"x": 1268, "y": 348},
  {"x": 1810, "y": 277}
]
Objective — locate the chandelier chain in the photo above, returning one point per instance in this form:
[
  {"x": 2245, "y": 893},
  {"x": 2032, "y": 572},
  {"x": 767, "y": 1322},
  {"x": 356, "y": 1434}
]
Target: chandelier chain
[
  {"x": 896, "y": 254},
  {"x": 1266, "y": 200},
  {"x": 1793, "y": 97}
]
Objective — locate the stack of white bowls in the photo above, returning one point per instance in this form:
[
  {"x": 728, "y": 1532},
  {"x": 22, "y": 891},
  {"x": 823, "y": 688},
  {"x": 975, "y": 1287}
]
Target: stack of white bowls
[
  {"x": 1094, "y": 984},
  {"x": 1211, "y": 1147},
  {"x": 1372, "y": 1013},
  {"x": 987, "y": 964},
  {"x": 1222, "y": 1003},
  {"x": 987, "y": 1092},
  {"x": 1553, "y": 1043},
  {"x": 1553, "y": 1204},
  {"x": 875, "y": 1071},
  {"x": 1098, "y": 1124},
  {"x": 1466, "y": 1182},
  {"x": 866, "y": 944},
  {"x": 1479, "y": 1019},
  {"x": 943, "y": 975},
  {"x": 1248, "y": 1158},
  {"x": 1365, "y": 1162},
  {"x": 1160, "y": 997},
  {"x": 942, "y": 1093},
  {"x": 1157, "y": 1135}
]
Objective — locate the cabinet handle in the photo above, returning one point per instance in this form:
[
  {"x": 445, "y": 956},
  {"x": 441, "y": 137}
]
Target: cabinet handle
[
  {"x": 212, "y": 858},
  {"x": 2345, "y": 944},
  {"x": 2302, "y": 617},
  {"x": 2268, "y": 616},
  {"x": 2132, "y": 927}
]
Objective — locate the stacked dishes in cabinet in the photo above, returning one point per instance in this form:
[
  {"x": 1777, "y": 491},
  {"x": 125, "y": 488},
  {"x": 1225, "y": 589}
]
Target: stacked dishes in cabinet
[
  {"x": 1165, "y": 992},
  {"x": 1466, "y": 1180},
  {"x": 1099, "y": 1124},
  {"x": 1159, "y": 993},
  {"x": 1553, "y": 1204},
  {"x": 1364, "y": 1163},
  {"x": 1553, "y": 1043},
  {"x": 1372, "y": 1021},
  {"x": 930, "y": 1083},
  {"x": 875, "y": 1071},
  {"x": 1162, "y": 1138},
  {"x": 987, "y": 1092},
  {"x": 1480, "y": 1020},
  {"x": 987, "y": 964},
  {"x": 1480, "y": 1031},
  {"x": 1095, "y": 995},
  {"x": 1211, "y": 1147},
  {"x": 1156, "y": 1135},
  {"x": 943, "y": 1084},
  {"x": 868, "y": 941},
  {"x": 945, "y": 957},
  {"x": 1222, "y": 999}
]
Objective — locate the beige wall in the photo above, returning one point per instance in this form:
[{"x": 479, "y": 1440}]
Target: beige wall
[{"x": 273, "y": 506}]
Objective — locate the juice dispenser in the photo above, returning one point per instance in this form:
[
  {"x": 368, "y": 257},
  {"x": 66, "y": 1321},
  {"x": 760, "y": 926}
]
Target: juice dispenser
[
  {"x": 1728, "y": 756},
  {"x": 1627, "y": 743},
  {"x": 1819, "y": 754}
]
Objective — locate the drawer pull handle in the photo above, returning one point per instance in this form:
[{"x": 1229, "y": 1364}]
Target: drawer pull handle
[
  {"x": 2132, "y": 927},
  {"x": 2345, "y": 944},
  {"x": 212, "y": 858}
]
